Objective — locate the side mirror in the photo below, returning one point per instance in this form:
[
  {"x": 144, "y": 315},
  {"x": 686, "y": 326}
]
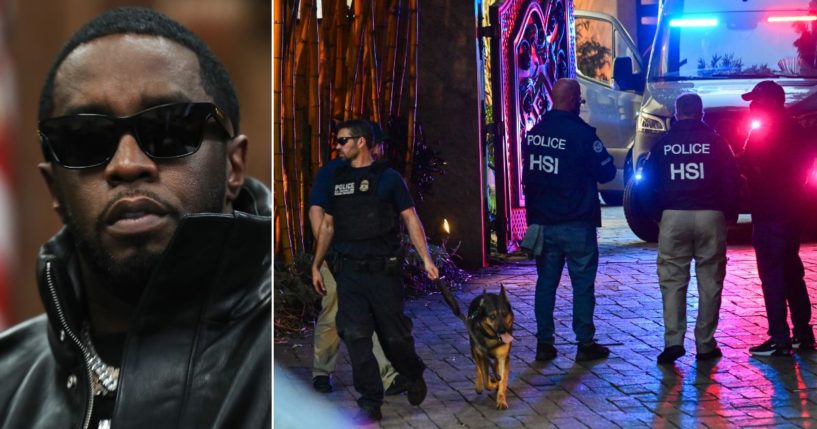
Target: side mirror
[{"x": 623, "y": 74}]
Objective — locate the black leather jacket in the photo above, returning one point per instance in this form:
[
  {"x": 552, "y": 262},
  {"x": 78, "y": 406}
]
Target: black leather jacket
[{"x": 197, "y": 354}]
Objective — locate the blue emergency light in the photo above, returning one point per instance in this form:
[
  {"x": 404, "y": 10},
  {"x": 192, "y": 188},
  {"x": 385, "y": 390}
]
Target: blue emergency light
[{"x": 693, "y": 22}]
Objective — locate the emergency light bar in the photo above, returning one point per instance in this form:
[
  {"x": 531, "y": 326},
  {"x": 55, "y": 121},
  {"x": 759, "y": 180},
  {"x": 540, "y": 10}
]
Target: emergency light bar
[
  {"x": 693, "y": 22},
  {"x": 800, "y": 18}
]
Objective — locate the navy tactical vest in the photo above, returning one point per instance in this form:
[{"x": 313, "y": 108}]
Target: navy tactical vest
[
  {"x": 562, "y": 159},
  {"x": 552, "y": 156},
  {"x": 358, "y": 213},
  {"x": 691, "y": 163}
]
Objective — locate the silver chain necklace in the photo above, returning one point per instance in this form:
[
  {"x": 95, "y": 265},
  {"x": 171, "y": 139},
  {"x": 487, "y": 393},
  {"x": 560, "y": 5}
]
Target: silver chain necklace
[{"x": 104, "y": 377}]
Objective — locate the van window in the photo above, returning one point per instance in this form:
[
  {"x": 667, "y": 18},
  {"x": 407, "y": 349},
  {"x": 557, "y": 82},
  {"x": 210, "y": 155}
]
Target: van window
[
  {"x": 623, "y": 49},
  {"x": 594, "y": 49},
  {"x": 734, "y": 45}
]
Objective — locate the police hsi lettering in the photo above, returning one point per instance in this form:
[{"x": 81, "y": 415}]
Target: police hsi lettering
[
  {"x": 345, "y": 188},
  {"x": 687, "y": 171},
  {"x": 687, "y": 149},
  {"x": 545, "y": 141},
  {"x": 547, "y": 164}
]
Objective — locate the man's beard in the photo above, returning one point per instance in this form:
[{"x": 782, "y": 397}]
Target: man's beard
[{"x": 126, "y": 278}]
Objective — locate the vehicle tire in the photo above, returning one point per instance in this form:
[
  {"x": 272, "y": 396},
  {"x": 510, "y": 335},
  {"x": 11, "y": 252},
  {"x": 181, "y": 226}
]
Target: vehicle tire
[
  {"x": 612, "y": 198},
  {"x": 637, "y": 217}
]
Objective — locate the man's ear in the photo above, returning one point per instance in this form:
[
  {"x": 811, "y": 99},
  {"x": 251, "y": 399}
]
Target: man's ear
[
  {"x": 236, "y": 165},
  {"x": 362, "y": 143},
  {"x": 47, "y": 172}
]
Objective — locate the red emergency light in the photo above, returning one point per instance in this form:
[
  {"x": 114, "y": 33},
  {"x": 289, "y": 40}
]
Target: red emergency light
[
  {"x": 754, "y": 124},
  {"x": 799, "y": 18}
]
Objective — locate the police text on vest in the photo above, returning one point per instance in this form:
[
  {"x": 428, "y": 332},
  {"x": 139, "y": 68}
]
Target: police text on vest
[
  {"x": 687, "y": 149},
  {"x": 687, "y": 171},
  {"x": 345, "y": 188},
  {"x": 543, "y": 141}
]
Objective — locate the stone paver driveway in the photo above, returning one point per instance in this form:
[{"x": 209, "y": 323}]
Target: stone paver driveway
[{"x": 627, "y": 390}]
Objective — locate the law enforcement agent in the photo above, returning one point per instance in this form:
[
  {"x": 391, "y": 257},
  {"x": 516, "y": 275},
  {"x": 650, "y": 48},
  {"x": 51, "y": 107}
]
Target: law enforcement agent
[
  {"x": 692, "y": 180},
  {"x": 776, "y": 161},
  {"x": 362, "y": 217},
  {"x": 563, "y": 161},
  {"x": 326, "y": 341}
]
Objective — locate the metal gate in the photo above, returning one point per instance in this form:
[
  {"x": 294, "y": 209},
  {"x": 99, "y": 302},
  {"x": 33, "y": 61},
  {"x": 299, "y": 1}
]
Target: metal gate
[{"x": 531, "y": 47}]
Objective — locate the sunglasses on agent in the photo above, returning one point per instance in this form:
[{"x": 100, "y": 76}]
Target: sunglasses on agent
[
  {"x": 168, "y": 131},
  {"x": 343, "y": 140}
]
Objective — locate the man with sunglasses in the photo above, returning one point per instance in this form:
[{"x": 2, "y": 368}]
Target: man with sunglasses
[
  {"x": 366, "y": 199},
  {"x": 157, "y": 290},
  {"x": 326, "y": 341}
]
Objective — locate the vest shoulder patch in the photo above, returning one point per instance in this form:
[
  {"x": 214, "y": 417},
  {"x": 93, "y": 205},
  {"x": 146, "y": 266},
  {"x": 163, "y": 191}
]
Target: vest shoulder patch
[{"x": 598, "y": 146}]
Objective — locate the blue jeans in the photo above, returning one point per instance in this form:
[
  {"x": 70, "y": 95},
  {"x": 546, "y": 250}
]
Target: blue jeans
[
  {"x": 575, "y": 243},
  {"x": 777, "y": 247}
]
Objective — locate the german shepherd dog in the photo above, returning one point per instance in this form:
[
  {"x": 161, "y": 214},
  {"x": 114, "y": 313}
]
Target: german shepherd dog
[{"x": 490, "y": 324}]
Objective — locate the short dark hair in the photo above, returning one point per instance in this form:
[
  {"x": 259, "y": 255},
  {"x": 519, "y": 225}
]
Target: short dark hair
[
  {"x": 360, "y": 127},
  {"x": 140, "y": 20},
  {"x": 689, "y": 105}
]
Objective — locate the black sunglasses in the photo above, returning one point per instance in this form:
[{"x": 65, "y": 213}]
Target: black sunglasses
[
  {"x": 342, "y": 140},
  {"x": 88, "y": 140}
]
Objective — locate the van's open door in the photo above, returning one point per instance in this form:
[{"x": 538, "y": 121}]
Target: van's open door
[{"x": 603, "y": 46}]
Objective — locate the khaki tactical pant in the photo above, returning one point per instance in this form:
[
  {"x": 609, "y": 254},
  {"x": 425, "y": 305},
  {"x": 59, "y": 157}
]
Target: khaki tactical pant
[
  {"x": 684, "y": 235},
  {"x": 327, "y": 340}
]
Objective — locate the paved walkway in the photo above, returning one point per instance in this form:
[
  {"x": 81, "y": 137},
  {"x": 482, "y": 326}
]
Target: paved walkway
[{"x": 628, "y": 389}]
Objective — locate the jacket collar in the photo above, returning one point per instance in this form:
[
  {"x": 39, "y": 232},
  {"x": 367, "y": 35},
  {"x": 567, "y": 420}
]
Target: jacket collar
[
  {"x": 563, "y": 114},
  {"x": 216, "y": 268},
  {"x": 689, "y": 124}
]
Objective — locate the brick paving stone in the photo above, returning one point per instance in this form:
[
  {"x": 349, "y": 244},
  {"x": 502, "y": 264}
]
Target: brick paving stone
[{"x": 627, "y": 390}]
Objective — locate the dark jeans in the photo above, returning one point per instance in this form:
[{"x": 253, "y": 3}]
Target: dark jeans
[
  {"x": 577, "y": 244},
  {"x": 777, "y": 247},
  {"x": 371, "y": 302}
]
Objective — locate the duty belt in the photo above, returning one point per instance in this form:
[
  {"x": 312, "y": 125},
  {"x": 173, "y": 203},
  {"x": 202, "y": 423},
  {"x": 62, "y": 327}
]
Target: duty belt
[{"x": 371, "y": 265}]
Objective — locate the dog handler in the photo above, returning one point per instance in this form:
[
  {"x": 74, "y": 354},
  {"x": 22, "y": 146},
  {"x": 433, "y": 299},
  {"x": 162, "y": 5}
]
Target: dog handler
[
  {"x": 362, "y": 217},
  {"x": 692, "y": 180},
  {"x": 326, "y": 340},
  {"x": 564, "y": 160}
]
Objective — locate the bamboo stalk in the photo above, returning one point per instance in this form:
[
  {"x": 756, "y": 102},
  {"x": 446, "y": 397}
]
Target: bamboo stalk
[
  {"x": 283, "y": 246},
  {"x": 312, "y": 163},
  {"x": 362, "y": 88},
  {"x": 380, "y": 15},
  {"x": 412, "y": 86},
  {"x": 374, "y": 66},
  {"x": 341, "y": 47},
  {"x": 355, "y": 51},
  {"x": 403, "y": 56},
  {"x": 327, "y": 67},
  {"x": 291, "y": 134},
  {"x": 288, "y": 134},
  {"x": 389, "y": 62},
  {"x": 300, "y": 150}
]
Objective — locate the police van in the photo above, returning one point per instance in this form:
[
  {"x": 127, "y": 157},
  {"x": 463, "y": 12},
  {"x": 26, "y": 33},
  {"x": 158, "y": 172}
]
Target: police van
[{"x": 719, "y": 50}]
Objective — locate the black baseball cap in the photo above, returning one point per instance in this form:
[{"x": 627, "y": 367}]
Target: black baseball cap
[{"x": 768, "y": 90}]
